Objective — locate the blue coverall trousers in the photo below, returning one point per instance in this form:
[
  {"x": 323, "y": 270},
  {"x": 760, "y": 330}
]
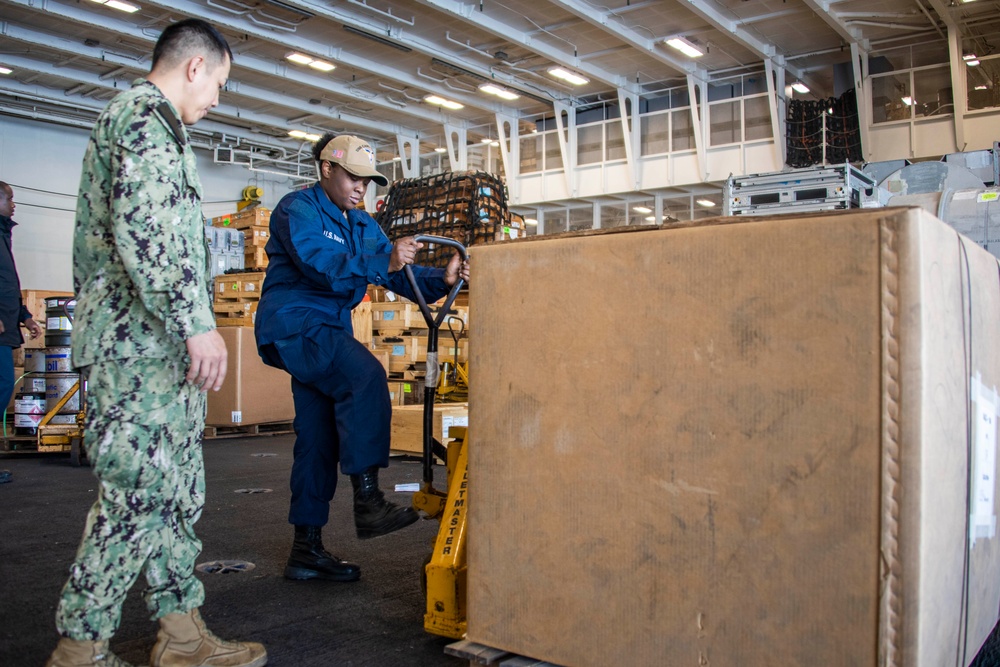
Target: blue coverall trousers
[{"x": 343, "y": 415}]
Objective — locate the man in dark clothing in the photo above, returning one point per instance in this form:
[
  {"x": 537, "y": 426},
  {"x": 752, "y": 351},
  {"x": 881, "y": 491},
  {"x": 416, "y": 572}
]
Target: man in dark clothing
[
  {"x": 12, "y": 310},
  {"x": 322, "y": 255}
]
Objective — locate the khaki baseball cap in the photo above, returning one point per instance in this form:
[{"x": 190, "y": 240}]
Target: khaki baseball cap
[{"x": 354, "y": 155}]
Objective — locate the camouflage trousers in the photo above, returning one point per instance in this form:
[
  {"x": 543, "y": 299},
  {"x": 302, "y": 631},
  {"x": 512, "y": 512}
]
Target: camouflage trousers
[{"x": 143, "y": 436}]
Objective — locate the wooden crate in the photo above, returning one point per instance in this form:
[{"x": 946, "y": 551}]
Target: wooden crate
[
  {"x": 407, "y": 424},
  {"x": 397, "y": 317},
  {"x": 235, "y": 313},
  {"x": 256, "y": 236},
  {"x": 254, "y": 258},
  {"x": 361, "y": 322},
  {"x": 242, "y": 219},
  {"x": 238, "y": 286}
]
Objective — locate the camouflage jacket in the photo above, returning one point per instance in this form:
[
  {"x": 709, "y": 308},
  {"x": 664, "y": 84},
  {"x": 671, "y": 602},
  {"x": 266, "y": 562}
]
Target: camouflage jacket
[{"x": 140, "y": 262}]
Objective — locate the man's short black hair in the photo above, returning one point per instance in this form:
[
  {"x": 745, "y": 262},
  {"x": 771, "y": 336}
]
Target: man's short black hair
[
  {"x": 189, "y": 38},
  {"x": 321, "y": 144}
]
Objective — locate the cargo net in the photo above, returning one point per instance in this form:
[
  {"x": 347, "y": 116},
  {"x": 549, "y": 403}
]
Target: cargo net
[
  {"x": 468, "y": 206},
  {"x": 823, "y": 132}
]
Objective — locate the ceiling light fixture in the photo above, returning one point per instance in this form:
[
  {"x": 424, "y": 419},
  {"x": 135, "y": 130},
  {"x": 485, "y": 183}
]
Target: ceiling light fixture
[
  {"x": 119, "y": 5},
  {"x": 800, "y": 87},
  {"x": 705, "y": 202},
  {"x": 307, "y": 136},
  {"x": 6, "y": 70},
  {"x": 969, "y": 56},
  {"x": 502, "y": 93},
  {"x": 908, "y": 101},
  {"x": 485, "y": 140},
  {"x": 685, "y": 47},
  {"x": 530, "y": 222},
  {"x": 642, "y": 209},
  {"x": 440, "y": 149},
  {"x": 972, "y": 63},
  {"x": 376, "y": 38},
  {"x": 494, "y": 143},
  {"x": 568, "y": 77},
  {"x": 983, "y": 87},
  {"x": 442, "y": 102},
  {"x": 315, "y": 63}
]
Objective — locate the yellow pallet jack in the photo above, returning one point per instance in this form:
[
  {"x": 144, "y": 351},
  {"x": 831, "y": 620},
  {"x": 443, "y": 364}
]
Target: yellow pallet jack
[
  {"x": 63, "y": 437},
  {"x": 445, "y": 571}
]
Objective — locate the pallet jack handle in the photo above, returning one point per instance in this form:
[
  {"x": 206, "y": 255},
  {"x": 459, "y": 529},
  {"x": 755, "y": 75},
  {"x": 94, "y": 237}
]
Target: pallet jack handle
[{"x": 433, "y": 369}]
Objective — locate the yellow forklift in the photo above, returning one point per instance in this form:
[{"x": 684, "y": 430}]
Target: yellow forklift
[{"x": 445, "y": 572}]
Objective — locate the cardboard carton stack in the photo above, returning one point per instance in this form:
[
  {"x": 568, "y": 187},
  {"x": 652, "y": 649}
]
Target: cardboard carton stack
[
  {"x": 798, "y": 442},
  {"x": 469, "y": 207}
]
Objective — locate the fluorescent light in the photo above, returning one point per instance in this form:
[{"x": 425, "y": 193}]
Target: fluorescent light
[
  {"x": 530, "y": 221},
  {"x": 303, "y": 59},
  {"x": 308, "y": 136},
  {"x": 568, "y": 77},
  {"x": 705, "y": 202},
  {"x": 119, "y": 5},
  {"x": 977, "y": 87},
  {"x": 485, "y": 140},
  {"x": 650, "y": 218},
  {"x": 642, "y": 209},
  {"x": 800, "y": 87},
  {"x": 972, "y": 63},
  {"x": 440, "y": 149},
  {"x": 494, "y": 143},
  {"x": 908, "y": 101},
  {"x": 6, "y": 70},
  {"x": 442, "y": 102},
  {"x": 502, "y": 93},
  {"x": 685, "y": 47},
  {"x": 969, "y": 56}
]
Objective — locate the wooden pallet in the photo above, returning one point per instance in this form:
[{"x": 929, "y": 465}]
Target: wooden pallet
[
  {"x": 479, "y": 654},
  {"x": 19, "y": 444},
  {"x": 245, "y": 430}
]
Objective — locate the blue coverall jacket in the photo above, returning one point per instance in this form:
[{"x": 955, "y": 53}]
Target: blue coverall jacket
[{"x": 319, "y": 267}]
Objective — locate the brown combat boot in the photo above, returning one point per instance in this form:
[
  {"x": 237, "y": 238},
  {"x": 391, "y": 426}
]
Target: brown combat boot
[
  {"x": 184, "y": 641},
  {"x": 77, "y": 653}
]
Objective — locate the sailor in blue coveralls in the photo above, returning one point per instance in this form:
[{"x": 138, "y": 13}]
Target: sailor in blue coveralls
[{"x": 322, "y": 255}]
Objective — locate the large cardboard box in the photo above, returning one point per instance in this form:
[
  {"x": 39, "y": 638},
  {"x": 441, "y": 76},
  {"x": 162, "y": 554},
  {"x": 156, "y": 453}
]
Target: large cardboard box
[
  {"x": 253, "y": 393},
  {"x": 790, "y": 462}
]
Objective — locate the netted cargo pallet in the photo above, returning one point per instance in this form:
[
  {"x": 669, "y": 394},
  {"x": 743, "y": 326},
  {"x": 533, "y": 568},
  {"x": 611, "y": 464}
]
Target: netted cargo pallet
[{"x": 467, "y": 206}]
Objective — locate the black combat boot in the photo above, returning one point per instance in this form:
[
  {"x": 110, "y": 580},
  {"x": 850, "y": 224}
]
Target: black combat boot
[
  {"x": 309, "y": 560},
  {"x": 373, "y": 514}
]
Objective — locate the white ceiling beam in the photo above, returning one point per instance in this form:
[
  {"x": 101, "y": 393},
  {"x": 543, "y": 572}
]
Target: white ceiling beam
[
  {"x": 514, "y": 35},
  {"x": 398, "y": 34},
  {"x": 849, "y": 34},
  {"x": 335, "y": 54},
  {"x": 632, "y": 38},
  {"x": 106, "y": 22},
  {"x": 225, "y": 109}
]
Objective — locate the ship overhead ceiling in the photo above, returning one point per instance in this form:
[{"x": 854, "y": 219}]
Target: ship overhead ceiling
[{"x": 389, "y": 55}]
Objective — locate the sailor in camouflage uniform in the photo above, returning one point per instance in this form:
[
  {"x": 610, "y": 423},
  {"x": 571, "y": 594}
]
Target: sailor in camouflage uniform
[{"x": 145, "y": 336}]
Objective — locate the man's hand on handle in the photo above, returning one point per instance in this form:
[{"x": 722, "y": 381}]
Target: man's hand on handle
[
  {"x": 456, "y": 269},
  {"x": 208, "y": 360}
]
